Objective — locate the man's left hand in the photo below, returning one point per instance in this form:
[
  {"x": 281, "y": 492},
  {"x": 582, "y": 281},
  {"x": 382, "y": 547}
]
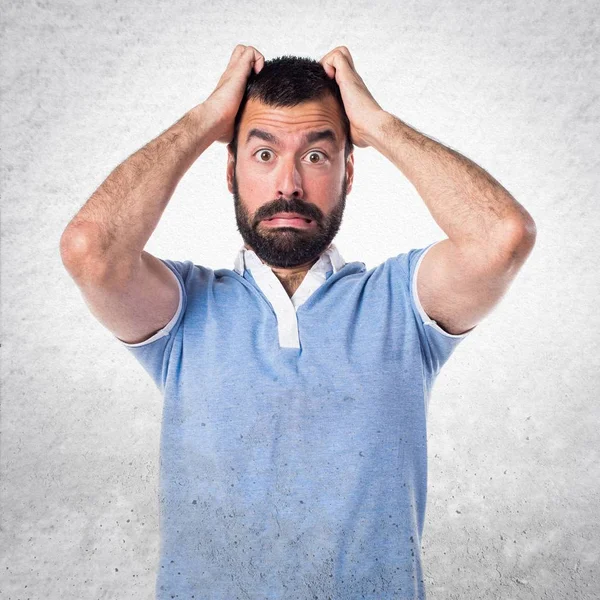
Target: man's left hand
[{"x": 363, "y": 111}]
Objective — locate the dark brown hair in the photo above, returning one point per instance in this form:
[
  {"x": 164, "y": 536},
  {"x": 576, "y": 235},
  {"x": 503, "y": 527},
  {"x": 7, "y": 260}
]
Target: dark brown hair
[{"x": 287, "y": 81}]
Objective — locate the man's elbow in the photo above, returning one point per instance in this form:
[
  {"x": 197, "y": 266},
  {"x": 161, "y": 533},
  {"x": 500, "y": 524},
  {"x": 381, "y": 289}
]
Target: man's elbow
[{"x": 520, "y": 239}]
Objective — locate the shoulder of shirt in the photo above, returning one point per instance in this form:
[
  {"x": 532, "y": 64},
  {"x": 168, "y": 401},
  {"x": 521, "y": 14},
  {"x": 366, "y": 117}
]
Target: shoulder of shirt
[{"x": 330, "y": 259}]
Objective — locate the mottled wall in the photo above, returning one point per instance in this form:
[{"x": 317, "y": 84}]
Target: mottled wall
[{"x": 514, "y": 469}]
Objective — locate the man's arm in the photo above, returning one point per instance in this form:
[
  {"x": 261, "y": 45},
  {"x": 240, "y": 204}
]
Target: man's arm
[
  {"x": 131, "y": 292},
  {"x": 490, "y": 235},
  {"x": 472, "y": 208},
  {"x": 110, "y": 231}
]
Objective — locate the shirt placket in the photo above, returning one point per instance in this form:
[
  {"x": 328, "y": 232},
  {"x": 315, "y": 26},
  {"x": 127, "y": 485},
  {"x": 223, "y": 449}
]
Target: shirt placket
[{"x": 285, "y": 308}]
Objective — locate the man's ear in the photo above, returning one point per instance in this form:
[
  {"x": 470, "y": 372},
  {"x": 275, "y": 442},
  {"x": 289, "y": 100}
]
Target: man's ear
[
  {"x": 349, "y": 172},
  {"x": 230, "y": 168}
]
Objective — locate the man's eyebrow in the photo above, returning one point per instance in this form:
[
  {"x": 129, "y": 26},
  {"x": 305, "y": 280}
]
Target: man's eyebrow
[{"x": 309, "y": 138}]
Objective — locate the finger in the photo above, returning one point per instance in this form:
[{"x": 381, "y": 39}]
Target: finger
[
  {"x": 326, "y": 64},
  {"x": 254, "y": 58},
  {"x": 350, "y": 60},
  {"x": 338, "y": 62},
  {"x": 329, "y": 71},
  {"x": 237, "y": 52},
  {"x": 339, "y": 58},
  {"x": 259, "y": 61},
  {"x": 343, "y": 50},
  {"x": 325, "y": 58}
]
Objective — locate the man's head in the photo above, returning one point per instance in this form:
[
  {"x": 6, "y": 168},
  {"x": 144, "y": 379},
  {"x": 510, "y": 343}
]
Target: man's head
[{"x": 275, "y": 167}]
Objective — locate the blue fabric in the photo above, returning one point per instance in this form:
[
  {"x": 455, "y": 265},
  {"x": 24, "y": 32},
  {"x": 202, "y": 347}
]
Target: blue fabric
[{"x": 295, "y": 473}]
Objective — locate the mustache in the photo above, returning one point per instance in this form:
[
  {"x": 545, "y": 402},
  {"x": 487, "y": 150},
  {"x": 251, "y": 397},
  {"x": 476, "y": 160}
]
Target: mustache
[{"x": 291, "y": 206}]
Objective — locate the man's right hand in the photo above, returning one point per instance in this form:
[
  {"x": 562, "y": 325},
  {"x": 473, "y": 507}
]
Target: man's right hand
[{"x": 225, "y": 101}]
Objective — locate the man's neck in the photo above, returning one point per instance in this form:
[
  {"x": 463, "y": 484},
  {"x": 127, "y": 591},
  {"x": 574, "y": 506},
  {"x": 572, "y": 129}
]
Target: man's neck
[
  {"x": 291, "y": 278},
  {"x": 291, "y": 282}
]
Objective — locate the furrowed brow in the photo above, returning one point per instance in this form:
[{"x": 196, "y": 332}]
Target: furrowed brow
[
  {"x": 263, "y": 135},
  {"x": 327, "y": 135},
  {"x": 309, "y": 138}
]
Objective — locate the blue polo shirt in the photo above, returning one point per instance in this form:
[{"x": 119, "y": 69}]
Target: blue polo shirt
[{"x": 293, "y": 453}]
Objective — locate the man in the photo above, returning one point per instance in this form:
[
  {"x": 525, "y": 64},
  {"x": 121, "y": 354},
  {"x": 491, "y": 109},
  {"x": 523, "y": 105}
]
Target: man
[{"x": 296, "y": 385}]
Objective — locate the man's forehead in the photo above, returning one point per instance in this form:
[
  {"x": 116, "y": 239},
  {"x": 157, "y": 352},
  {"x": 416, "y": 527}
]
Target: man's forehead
[{"x": 307, "y": 116}]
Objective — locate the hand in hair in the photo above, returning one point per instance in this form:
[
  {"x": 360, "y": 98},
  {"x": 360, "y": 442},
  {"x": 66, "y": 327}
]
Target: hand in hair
[
  {"x": 227, "y": 96},
  {"x": 363, "y": 111}
]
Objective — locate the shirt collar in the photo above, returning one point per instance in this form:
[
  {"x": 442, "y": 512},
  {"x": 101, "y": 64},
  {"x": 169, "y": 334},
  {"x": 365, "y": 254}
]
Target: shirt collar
[{"x": 330, "y": 260}]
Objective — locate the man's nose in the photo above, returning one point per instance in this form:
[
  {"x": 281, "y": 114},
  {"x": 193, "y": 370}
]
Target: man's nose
[{"x": 289, "y": 179}]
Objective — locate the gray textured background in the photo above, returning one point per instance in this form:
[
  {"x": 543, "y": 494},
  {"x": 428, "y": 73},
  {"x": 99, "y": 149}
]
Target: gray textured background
[{"x": 514, "y": 469}]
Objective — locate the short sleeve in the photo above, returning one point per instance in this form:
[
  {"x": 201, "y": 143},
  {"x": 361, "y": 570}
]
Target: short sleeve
[
  {"x": 437, "y": 344},
  {"x": 154, "y": 353}
]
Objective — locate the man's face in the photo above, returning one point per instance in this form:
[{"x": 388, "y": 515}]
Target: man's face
[{"x": 290, "y": 174}]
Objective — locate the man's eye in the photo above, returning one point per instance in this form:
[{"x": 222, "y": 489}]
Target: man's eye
[
  {"x": 310, "y": 154},
  {"x": 261, "y": 153}
]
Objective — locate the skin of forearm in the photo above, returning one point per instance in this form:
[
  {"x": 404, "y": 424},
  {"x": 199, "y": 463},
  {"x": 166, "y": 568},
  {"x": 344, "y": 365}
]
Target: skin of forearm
[
  {"x": 470, "y": 206},
  {"x": 115, "y": 224}
]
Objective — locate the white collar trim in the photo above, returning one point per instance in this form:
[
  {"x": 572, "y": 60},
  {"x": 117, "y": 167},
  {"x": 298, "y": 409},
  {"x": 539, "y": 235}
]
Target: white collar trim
[{"x": 285, "y": 307}]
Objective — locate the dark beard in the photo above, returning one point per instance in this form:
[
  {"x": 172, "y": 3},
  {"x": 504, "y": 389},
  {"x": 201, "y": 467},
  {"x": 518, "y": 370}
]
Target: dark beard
[{"x": 286, "y": 247}]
